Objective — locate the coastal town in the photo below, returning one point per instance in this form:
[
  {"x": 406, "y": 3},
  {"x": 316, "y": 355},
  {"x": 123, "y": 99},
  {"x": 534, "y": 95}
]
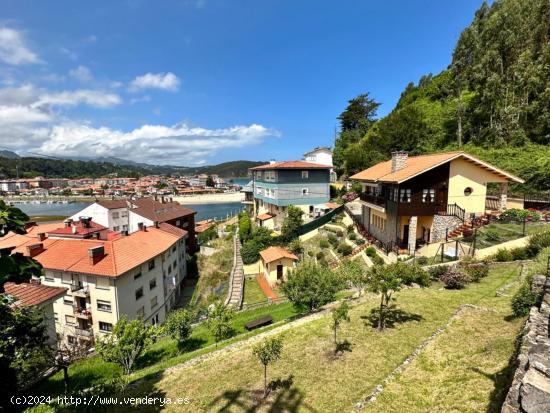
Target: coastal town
[{"x": 402, "y": 264}]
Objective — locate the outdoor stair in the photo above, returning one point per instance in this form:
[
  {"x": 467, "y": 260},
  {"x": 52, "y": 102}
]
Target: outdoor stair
[{"x": 236, "y": 288}]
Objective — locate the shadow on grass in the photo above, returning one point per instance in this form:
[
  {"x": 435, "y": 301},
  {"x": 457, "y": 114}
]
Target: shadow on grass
[
  {"x": 392, "y": 317},
  {"x": 191, "y": 344},
  {"x": 282, "y": 398}
]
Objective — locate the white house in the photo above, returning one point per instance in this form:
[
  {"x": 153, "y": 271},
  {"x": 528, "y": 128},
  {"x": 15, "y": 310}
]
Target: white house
[
  {"x": 323, "y": 156},
  {"x": 112, "y": 214}
]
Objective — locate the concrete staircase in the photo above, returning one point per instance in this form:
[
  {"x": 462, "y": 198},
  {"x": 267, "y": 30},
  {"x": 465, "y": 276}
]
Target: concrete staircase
[
  {"x": 457, "y": 232},
  {"x": 236, "y": 286}
]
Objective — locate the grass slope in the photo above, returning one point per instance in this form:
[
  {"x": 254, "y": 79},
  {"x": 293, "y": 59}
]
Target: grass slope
[{"x": 320, "y": 382}]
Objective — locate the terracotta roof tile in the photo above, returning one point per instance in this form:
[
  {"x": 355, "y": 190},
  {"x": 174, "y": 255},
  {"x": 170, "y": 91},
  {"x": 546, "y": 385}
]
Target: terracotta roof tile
[
  {"x": 291, "y": 165},
  {"x": 416, "y": 165},
  {"x": 33, "y": 294},
  {"x": 113, "y": 203},
  {"x": 275, "y": 253},
  {"x": 158, "y": 211},
  {"x": 264, "y": 217}
]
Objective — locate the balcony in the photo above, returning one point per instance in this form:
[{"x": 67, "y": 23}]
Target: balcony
[
  {"x": 83, "y": 313},
  {"x": 78, "y": 290},
  {"x": 377, "y": 200},
  {"x": 85, "y": 333}
]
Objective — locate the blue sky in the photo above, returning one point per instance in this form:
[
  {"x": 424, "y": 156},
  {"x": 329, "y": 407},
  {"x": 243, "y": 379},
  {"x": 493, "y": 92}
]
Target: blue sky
[{"x": 204, "y": 81}]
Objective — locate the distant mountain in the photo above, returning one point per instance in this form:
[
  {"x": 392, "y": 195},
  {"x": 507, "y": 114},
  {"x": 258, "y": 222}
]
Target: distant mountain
[{"x": 8, "y": 154}]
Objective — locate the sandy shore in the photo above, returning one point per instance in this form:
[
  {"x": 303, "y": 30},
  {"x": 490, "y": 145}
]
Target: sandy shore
[{"x": 210, "y": 198}]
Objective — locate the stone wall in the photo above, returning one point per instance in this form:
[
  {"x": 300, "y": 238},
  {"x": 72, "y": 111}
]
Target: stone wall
[
  {"x": 440, "y": 223},
  {"x": 530, "y": 389}
]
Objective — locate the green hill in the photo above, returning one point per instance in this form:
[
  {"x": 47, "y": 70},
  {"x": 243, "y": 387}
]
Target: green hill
[{"x": 492, "y": 101}]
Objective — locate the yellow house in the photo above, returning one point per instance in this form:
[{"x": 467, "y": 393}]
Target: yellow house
[
  {"x": 276, "y": 262},
  {"x": 407, "y": 201}
]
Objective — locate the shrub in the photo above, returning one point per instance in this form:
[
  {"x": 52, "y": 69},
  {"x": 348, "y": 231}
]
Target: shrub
[
  {"x": 519, "y": 253},
  {"x": 310, "y": 253},
  {"x": 360, "y": 241},
  {"x": 413, "y": 274},
  {"x": 476, "y": 271},
  {"x": 453, "y": 280},
  {"x": 523, "y": 300},
  {"x": 250, "y": 251},
  {"x": 295, "y": 246},
  {"x": 320, "y": 255},
  {"x": 377, "y": 259},
  {"x": 537, "y": 242},
  {"x": 422, "y": 260},
  {"x": 503, "y": 255},
  {"x": 437, "y": 271},
  {"x": 323, "y": 243},
  {"x": 332, "y": 239},
  {"x": 370, "y": 251},
  {"x": 350, "y": 228},
  {"x": 344, "y": 249},
  {"x": 514, "y": 213},
  {"x": 492, "y": 235},
  {"x": 352, "y": 236},
  {"x": 339, "y": 233}
]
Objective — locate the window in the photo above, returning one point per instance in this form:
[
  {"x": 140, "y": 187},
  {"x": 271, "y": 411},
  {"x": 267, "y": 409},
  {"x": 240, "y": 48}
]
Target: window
[
  {"x": 115, "y": 214},
  {"x": 141, "y": 312},
  {"x": 151, "y": 265},
  {"x": 67, "y": 278},
  {"x": 468, "y": 191},
  {"x": 56, "y": 317},
  {"x": 153, "y": 282},
  {"x": 305, "y": 174},
  {"x": 67, "y": 300},
  {"x": 174, "y": 248},
  {"x": 428, "y": 195},
  {"x": 116, "y": 229},
  {"x": 105, "y": 326},
  {"x": 305, "y": 191},
  {"x": 125, "y": 227},
  {"x": 102, "y": 283},
  {"x": 104, "y": 305},
  {"x": 154, "y": 302},
  {"x": 139, "y": 293},
  {"x": 49, "y": 276},
  {"x": 69, "y": 319},
  {"x": 137, "y": 275},
  {"x": 405, "y": 195},
  {"x": 71, "y": 339}
]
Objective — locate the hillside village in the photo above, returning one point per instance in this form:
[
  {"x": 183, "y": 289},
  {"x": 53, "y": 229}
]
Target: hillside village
[{"x": 395, "y": 270}]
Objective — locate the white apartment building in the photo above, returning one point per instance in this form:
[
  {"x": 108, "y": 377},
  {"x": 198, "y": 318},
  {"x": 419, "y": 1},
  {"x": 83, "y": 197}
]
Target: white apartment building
[{"x": 323, "y": 156}]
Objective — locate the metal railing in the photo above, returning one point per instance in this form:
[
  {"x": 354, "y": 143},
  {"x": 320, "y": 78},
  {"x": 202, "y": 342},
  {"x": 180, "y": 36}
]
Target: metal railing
[{"x": 454, "y": 210}]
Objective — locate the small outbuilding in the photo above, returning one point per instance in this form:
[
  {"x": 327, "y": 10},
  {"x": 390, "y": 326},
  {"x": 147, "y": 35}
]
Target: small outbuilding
[{"x": 276, "y": 262}]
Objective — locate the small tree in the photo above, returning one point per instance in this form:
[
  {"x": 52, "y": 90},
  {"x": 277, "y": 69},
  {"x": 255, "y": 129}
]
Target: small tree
[
  {"x": 384, "y": 280},
  {"x": 178, "y": 325},
  {"x": 65, "y": 355},
  {"x": 311, "y": 286},
  {"x": 353, "y": 274},
  {"x": 219, "y": 321},
  {"x": 268, "y": 351},
  {"x": 127, "y": 341},
  {"x": 339, "y": 314},
  {"x": 292, "y": 223},
  {"x": 210, "y": 182},
  {"x": 245, "y": 226}
]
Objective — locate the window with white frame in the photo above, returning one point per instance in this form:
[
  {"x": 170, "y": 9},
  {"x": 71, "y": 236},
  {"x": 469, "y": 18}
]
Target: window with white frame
[
  {"x": 104, "y": 306},
  {"x": 105, "y": 326},
  {"x": 305, "y": 191},
  {"x": 404, "y": 195},
  {"x": 428, "y": 195}
]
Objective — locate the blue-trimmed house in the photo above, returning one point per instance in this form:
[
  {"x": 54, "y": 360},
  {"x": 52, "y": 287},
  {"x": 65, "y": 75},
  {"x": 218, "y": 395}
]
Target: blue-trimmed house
[{"x": 279, "y": 184}]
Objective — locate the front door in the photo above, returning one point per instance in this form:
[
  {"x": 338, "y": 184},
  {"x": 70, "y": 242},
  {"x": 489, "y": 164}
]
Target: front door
[
  {"x": 406, "y": 234},
  {"x": 279, "y": 272}
]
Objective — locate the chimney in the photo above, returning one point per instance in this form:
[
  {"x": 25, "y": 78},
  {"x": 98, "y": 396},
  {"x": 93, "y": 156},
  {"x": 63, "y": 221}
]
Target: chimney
[
  {"x": 96, "y": 254},
  {"x": 68, "y": 222},
  {"x": 398, "y": 160},
  {"x": 41, "y": 236},
  {"x": 141, "y": 226},
  {"x": 156, "y": 224},
  {"x": 34, "y": 249}
]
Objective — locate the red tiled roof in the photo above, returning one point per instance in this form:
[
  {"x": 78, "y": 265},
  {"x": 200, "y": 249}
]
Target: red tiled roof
[
  {"x": 158, "y": 211},
  {"x": 171, "y": 229},
  {"x": 121, "y": 254},
  {"x": 291, "y": 165},
  {"x": 415, "y": 165},
  {"x": 33, "y": 294},
  {"x": 78, "y": 228},
  {"x": 275, "y": 253},
  {"x": 264, "y": 217},
  {"x": 112, "y": 203}
]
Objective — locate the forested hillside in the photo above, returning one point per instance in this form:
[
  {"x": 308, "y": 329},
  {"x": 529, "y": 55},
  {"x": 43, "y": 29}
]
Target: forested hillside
[{"x": 492, "y": 101}]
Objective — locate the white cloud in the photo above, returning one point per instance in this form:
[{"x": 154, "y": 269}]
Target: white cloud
[
  {"x": 13, "y": 49},
  {"x": 88, "y": 97},
  {"x": 165, "y": 81},
  {"x": 19, "y": 114},
  {"x": 81, "y": 73},
  {"x": 145, "y": 98}
]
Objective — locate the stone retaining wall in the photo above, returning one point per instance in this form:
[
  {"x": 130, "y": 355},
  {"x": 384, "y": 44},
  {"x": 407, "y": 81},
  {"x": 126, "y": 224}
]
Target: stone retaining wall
[{"x": 530, "y": 389}]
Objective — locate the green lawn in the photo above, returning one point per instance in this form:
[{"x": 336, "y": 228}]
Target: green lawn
[
  {"x": 163, "y": 354},
  {"x": 252, "y": 292},
  {"x": 497, "y": 233},
  {"x": 468, "y": 362}
]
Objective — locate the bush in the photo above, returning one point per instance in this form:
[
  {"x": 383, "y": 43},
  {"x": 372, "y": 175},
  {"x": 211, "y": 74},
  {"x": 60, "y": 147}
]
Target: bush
[
  {"x": 339, "y": 233},
  {"x": 503, "y": 255},
  {"x": 344, "y": 249},
  {"x": 537, "y": 242},
  {"x": 310, "y": 253},
  {"x": 377, "y": 259},
  {"x": 250, "y": 251},
  {"x": 437, "y": 271},
  {"x": 476, "y": 271},
  {"x": 370, "y": 251},
  {"x": 245, "y": 226},
  {"x": 492, "y": 235},
  {"x": 523, "y": 300},
  {"x": 422, "y": 260},
  {"x": 323, "y": 243},
  {"x": 332, "y": 239},
  {"x": 453, "y": 280},
  {"x": 360, "y": 241},
  {"x": 519, "y": 253},
  {"x": 352, "y": 236},
  {"x": 413, "y": 274},
  {"x": 295, "y": 246},
  {"x": 320, "y": 255}
]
